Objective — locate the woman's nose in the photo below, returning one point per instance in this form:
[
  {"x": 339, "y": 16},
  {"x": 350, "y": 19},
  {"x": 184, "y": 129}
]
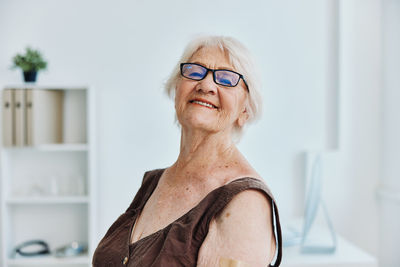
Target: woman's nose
[{"x": 207, "y": 85}]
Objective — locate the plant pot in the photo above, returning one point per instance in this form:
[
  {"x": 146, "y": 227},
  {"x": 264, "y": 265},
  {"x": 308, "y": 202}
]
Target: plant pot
[{"x": 30, "y": 76}]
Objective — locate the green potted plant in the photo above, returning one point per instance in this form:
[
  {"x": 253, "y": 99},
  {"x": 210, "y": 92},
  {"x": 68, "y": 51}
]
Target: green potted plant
[{"x": 30, "y": 63}]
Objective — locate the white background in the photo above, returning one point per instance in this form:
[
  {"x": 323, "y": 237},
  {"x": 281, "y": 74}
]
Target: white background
[{"x": 126, "y": 50}]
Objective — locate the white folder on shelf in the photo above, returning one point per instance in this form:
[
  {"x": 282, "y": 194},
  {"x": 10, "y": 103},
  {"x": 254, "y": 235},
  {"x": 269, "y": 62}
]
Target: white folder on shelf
[
  {"x": 8, "y": 117},
  {"x": 19, "y": 119},
  {"x": 44, "y": 109}
]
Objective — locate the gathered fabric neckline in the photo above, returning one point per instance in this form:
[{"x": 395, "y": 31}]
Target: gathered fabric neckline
[{"x": 139, "y": 209}]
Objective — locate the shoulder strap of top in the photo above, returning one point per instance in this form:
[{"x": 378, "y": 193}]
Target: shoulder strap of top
[
  {"x": 278, "y": 235},
  {"x": 218, "y": 200},
  {"x": 149, "y": 183}
]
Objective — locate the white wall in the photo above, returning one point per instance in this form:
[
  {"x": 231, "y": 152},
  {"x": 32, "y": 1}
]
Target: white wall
[
  {"x": 390, "y": 183},
  {"x": 126, "y": 49},
  {"x": 353, "y": 173}
]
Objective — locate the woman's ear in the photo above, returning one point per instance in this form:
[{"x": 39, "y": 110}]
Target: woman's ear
[{"x": 243, "y": 117}]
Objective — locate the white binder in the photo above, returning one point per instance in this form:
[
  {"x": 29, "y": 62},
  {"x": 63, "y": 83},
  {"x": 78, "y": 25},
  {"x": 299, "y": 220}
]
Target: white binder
[
  {"x": 19, "y": 119},
  {"x": 8, "y": 117},
  {"x": 44, "y": 109}
]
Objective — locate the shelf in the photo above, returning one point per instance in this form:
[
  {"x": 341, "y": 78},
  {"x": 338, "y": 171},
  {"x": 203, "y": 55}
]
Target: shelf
[
  {"x": 47, "y": 86},
  {"x": 48, "y": 200},
  {"x": 47, "y": 181},
  {"x": 53, "y": 147},
  {"x": 48, "y": 260}
]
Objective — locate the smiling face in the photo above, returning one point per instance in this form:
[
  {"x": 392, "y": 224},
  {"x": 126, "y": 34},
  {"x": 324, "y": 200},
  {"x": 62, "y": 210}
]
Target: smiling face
[{"x": 207, "y": 106}]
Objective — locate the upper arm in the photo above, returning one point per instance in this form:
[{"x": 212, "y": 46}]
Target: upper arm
[{"x": 242, "y": 231}]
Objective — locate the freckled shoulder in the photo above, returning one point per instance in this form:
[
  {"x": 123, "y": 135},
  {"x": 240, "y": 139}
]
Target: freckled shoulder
[
  {"x": 250, "y": 208},
  {"x": 242, "y": 231}
]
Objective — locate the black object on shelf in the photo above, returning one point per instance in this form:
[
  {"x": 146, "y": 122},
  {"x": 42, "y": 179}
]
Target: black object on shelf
[
  {"x": 32, "y": 248},
  {"x": 30, "y": 76}
]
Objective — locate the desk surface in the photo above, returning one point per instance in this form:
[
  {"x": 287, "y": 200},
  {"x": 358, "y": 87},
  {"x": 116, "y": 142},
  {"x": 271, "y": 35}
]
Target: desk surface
[{"x": 346, "y": 255}]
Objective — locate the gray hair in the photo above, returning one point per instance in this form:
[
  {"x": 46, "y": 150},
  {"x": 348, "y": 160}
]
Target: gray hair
[{"x": 239, "y": 57}]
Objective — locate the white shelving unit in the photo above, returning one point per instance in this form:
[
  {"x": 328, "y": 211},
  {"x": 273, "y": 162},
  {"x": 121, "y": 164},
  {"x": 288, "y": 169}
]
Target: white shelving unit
[
  {"x": 46, "y": 261},
  {"x": 48, "y": 190}
]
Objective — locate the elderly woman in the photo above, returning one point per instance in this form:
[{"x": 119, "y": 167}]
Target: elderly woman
[{"x": 210, "y": 208}]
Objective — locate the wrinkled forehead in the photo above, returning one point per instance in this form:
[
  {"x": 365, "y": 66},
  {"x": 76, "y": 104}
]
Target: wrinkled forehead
[{"x": 212, "y": 57}]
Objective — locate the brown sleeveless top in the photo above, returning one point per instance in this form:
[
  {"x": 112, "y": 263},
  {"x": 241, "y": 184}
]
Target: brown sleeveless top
[{"x": 178, "y": 243}]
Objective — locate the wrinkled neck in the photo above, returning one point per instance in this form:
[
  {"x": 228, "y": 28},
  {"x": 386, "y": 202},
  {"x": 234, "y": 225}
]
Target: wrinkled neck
[{"x": 202, "y": 152}]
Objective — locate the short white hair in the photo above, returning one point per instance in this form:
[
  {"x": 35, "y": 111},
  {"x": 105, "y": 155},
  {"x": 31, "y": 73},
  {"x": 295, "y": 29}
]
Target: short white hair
[{"x": 240, "y": 59}]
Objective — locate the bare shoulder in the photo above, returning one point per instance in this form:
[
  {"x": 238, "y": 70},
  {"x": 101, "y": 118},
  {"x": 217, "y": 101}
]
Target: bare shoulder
[
  {"x": 251, "y": 212},
  {"x": 251, "y": 204},
  {"x": 242, "y": 231}
]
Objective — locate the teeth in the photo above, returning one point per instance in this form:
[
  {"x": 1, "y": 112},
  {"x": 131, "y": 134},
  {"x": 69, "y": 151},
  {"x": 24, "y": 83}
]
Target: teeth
[{"x": 203, "y": 104}]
